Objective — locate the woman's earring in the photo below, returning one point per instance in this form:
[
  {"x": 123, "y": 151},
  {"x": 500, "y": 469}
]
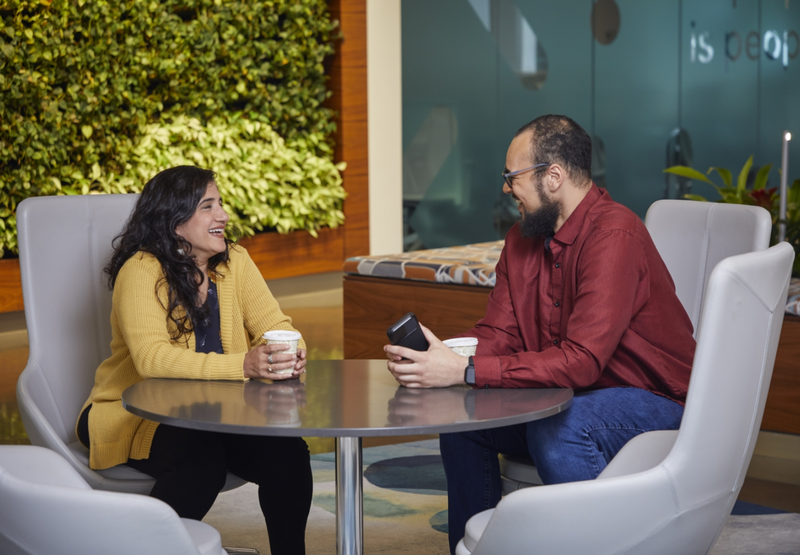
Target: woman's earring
[{"x": 180, "y": 251}]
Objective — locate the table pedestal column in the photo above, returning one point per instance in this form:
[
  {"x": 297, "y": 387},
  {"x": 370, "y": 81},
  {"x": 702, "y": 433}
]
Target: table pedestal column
[{"x": 349, "y": 497}]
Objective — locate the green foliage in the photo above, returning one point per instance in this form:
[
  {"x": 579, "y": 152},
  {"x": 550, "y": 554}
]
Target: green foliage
[
  {"x": 80, "y": 81},
  {"x": 758, "y": 195},
  {"x": 266, "y": 182}
]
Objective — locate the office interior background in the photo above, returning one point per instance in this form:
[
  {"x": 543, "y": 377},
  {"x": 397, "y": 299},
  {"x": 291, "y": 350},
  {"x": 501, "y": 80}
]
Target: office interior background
[
  {"x": 696, "y": 82},
  {"x": 692, "y": 82}
]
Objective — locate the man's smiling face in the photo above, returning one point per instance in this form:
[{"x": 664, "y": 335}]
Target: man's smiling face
[{"x": 539, "y": 211}]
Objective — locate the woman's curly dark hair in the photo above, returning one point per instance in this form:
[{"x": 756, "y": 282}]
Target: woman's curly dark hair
[{"x": 168, "y": 200}]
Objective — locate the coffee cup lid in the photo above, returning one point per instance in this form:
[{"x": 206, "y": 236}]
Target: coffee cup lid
[
  {"x": 461, "y": 341},
  {"x": 282, "y": 335}
]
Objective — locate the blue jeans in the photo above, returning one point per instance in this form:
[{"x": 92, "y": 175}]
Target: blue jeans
[{"x": 573, "y": 445}]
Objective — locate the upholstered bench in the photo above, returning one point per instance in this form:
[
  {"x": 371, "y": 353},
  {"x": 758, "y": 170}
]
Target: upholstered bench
[{"x": 448, "y": 288}]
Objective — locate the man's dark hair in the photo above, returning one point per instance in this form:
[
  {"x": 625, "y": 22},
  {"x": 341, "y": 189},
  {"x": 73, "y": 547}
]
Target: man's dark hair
[{"x": 558, "y": 139}]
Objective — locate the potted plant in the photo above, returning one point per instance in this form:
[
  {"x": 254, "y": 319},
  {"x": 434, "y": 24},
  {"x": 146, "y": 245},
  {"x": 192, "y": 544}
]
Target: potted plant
[{"x": 757, "y": 195}]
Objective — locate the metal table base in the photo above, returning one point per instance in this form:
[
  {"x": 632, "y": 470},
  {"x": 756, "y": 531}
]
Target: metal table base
[{"x": 349, "y": 497}]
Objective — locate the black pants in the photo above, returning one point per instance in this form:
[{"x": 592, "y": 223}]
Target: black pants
[{"x": 190, "y": 468}]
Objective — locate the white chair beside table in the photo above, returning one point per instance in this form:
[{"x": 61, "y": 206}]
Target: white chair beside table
[
  {"x": 668, "y": 492},
  {"x": 49, "y": 509},
  {"x": 692, "y": 238},
  {"x": 64, "y": 244}
]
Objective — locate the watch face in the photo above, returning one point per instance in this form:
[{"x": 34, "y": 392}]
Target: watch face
[{"x": 469, "y": 375}]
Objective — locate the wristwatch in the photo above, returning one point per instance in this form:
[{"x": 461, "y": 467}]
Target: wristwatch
[{"x": 469, "y": 373}]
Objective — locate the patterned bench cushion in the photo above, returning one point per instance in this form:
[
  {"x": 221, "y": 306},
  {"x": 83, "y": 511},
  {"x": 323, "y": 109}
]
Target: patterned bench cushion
[
  {"x": 467, "y": 265},
  {"x": 793, "y": 302}
]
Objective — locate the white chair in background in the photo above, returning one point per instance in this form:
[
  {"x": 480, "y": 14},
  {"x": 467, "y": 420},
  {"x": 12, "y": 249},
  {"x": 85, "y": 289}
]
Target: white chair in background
[
  {"x": 668, "y": 492},
  {"x": 47, "y": 508},
  {"x": 692, "y": 237}
]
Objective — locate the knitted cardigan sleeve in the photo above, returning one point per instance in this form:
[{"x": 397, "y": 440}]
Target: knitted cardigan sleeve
[{"x": 260, "y": 310}]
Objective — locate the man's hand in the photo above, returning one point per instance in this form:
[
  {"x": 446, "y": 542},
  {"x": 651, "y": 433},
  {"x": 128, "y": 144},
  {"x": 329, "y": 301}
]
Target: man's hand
[{"x": 436, "y": 367}]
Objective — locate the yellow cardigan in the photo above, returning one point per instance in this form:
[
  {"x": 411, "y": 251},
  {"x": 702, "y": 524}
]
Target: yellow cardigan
[{"x": 141, "y": 347}]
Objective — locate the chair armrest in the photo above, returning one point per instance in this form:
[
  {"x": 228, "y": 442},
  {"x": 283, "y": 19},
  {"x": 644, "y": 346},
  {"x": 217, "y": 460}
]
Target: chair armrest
[
  {"x": 40, "y": 466},
  {"x": 615, "y": 514},
  {"x": 643, "y": 452}
]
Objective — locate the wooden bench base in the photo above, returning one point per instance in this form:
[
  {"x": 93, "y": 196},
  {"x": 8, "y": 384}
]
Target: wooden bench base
[{"x": 373, "y": 304}]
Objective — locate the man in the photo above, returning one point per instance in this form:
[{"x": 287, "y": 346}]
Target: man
[{"x": 582, "y": 300}]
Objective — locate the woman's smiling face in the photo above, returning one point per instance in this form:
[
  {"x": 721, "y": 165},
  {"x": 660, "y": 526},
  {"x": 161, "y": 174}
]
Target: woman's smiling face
[{"x": 205, "y": 230}]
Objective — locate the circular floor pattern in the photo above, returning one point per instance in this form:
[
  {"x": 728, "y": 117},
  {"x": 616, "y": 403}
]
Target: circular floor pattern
[{"x": 418, "y": 474}]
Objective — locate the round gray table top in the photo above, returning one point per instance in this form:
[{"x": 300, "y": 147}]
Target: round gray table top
[{"x": 337, "y": 398}]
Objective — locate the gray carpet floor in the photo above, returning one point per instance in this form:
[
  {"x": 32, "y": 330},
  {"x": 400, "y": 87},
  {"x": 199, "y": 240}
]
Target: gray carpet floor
[{"x": 407, "y": 520}]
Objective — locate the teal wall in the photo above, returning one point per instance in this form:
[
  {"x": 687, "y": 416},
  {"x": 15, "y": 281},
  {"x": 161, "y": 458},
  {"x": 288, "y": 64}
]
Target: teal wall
[{"x": 704, "y": 66}]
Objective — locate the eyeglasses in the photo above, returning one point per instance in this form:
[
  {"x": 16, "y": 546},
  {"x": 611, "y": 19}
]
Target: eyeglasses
[{"x": 507, "y": 176}]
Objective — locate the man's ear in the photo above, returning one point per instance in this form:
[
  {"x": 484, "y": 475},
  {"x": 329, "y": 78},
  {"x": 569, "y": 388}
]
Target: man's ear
[{"x": 554, "y": 177}]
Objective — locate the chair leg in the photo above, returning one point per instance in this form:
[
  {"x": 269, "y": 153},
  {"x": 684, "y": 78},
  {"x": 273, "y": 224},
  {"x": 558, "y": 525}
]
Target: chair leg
[{"x": 241, "y": 551}]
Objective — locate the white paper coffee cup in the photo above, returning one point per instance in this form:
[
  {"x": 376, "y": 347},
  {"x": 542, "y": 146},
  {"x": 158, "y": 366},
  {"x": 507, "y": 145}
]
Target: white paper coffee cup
[
  {"x": 290, "y": 338},
  {"x": 464, "y": 346}
]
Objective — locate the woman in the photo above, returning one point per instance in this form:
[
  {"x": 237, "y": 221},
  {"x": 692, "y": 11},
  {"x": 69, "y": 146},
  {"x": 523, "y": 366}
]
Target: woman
[{"x": 187, "y": 303}]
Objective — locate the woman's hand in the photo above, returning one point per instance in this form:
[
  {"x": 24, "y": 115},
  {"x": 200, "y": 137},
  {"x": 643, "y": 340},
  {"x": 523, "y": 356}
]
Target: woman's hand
[
  {"x": 269, "y": 361},
  {"x": 300, "y": 365}
]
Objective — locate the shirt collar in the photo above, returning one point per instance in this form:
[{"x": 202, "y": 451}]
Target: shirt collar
[{"x": 569, "y": 231}]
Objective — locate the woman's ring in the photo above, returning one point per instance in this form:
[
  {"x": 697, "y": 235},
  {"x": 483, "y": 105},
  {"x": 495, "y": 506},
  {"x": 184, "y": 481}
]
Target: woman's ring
[
  {"x": 269, "y": 369},
  {"x": 269, "y": 358}
]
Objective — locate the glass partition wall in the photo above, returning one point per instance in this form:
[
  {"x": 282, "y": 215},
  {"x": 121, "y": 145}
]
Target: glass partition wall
[{"x": 694, "y": 82}]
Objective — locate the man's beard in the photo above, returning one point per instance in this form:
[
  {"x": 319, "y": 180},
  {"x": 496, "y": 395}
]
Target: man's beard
[{"x": 542, "y": 221}]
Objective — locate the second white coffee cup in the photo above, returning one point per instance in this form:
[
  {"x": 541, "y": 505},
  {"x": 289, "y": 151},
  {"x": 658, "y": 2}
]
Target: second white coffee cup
[{"x": 464, "y": 346}]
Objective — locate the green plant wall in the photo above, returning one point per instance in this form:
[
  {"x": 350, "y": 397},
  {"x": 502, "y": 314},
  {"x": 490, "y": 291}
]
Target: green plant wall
[
  {"x": 266, "y": 182},
  {"x": 82, "y": 83}
]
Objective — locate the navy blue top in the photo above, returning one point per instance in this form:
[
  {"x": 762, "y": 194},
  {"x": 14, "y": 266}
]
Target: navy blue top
[{"x": 207, "y": 337}]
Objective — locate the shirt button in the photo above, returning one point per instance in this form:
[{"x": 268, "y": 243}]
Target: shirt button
[
  {"x": 558, "y": 304},
  {"x": 555, "y": 341},
  {"x": 558, "y": 264},
  {"x": 486, "y": 386}
]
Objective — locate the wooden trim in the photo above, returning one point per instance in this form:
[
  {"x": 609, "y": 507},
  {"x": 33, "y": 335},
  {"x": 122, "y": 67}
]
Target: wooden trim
[
  {"x": 782, "y": 412},
  {"x": 373, "y": 304},
  {"x": 10, "y": 286},
  {"x": 348, "y": 81},
  {"x": 297, "y": 253}
]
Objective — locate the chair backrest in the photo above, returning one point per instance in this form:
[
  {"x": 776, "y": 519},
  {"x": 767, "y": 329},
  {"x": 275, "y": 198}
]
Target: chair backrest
[
  {"x": 737, "y": 341},
  {"x": 693, "y": 237},
  {"x": 47, "y": 509},
  {"x": 64, "y": 244}
]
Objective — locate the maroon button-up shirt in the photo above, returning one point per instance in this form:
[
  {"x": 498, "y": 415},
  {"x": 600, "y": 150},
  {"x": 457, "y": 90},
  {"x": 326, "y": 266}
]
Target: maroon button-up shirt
[{"x": 596, "y": 310}]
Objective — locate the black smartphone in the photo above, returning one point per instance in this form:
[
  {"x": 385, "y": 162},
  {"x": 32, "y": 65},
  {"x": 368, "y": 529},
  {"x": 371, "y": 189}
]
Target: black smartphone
[{"x": 407, "y": 333}]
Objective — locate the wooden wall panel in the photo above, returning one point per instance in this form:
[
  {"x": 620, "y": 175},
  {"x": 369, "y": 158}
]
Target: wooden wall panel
[
  {"x": 782, "y": 413},
  {"x": 371, "y": 305},
  {"x": 10, "y": 286},
  {"x": 296, "y": 253},
  {"x": 349, "y": 85}
]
